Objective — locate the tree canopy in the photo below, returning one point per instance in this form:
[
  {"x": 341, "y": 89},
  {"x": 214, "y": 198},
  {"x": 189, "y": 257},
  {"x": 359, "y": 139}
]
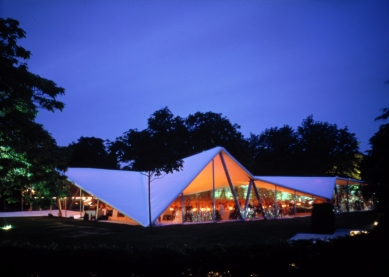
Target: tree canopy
[
  {"x": 93, "y": 153},
  {"x": 274, "y": 151},
  {"x": 385, "y": 111},
  {"x": 156, "y": 149},
  {"x": 29, "y": 155},
  {"x": 208, "y": 130},
  {"x": 327, "y": 150},
  {"x": 314, "y": 149}
]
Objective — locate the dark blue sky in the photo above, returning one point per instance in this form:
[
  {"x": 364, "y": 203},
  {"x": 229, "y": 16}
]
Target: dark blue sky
[{"x": 261, "y": 64}]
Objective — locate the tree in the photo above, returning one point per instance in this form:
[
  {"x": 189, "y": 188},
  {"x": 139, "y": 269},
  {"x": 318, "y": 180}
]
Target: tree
[
  {"x": 155, "y": 150},
  {"x": 376, "y": 165},
  {"x": 208, "y": 130},
  {"x": 315, "y": 149},
  {"x": 385, "y": 111},
  {"x": 93, "y": 153},
  {"x": 274, "y": 151},
  {"x": 29, "y": 155},
  {"x": 327, "y": 150}
]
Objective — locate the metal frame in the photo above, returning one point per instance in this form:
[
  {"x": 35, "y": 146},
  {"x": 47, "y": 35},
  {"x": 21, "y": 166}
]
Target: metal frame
[
  {"x": 230, "y": 183},
  {"x": 259, "y": 200}
]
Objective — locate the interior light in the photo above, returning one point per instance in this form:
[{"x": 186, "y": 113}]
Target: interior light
[
  {"x": 357, "y": 232},
  {"x": 6, "y": 227},
  {"x": 375, "y": 223}
]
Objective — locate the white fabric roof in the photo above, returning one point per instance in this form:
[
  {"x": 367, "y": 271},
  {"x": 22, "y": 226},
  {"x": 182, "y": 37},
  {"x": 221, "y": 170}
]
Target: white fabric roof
[
  {"x": 126, "y": 191},
  {"x": 318, "y": 186}
]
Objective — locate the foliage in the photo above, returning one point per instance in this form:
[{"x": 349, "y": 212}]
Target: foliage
[
  {"x": 208, "y": 130},
  {"x": 274, "y": 150},
  {"x": 327, "y": 150},
  {"x": 155, "y": 149},
  {"x": 29, "y": 155},
  {"x": 376, "y": 164},
  {"x": 171, "y": 137},
  {"x": 92, "y": 152},
  {"x": 314, "y": 149},
  {"x": 385, "y": 111}
]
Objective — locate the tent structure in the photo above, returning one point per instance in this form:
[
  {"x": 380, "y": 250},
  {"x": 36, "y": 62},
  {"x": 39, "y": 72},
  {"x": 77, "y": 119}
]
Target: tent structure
[
  {"x": 318, "y": 186},
  {"x": 211, "y": 186}
]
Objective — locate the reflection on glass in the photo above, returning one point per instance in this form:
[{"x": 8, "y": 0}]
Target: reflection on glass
[
  {"x": 198, "y": 207},
  {"x": 349, "y": 198},
  {"x": 268, "y": 201},
  {"x": 173, "y": 214},
  {"x": 254, "y": 207},
  {"x": 225, "y": 202},
  {"x": 285, "y": 203}
]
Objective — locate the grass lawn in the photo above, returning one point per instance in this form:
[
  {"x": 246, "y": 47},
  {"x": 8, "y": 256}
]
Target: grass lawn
[
  {"x": 70, "y": 233},
  {"x": 47, "y": 246}
]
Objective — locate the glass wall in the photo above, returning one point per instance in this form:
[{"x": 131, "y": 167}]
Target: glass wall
[
  {"x": 268, "y": 201},
  {"x": 285, "y": 202},
  {"x": 198, "y": 207},
  {"x": 348, "y": 198},
  {"x": 173, "y": 214},
  {"x": 304, "y": 204},
  {"x": 254, "y": 210},
  {"x": 225, "y": 204}
]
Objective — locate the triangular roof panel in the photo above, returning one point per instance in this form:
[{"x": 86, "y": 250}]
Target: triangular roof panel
[{"x": 126, "y": 191}]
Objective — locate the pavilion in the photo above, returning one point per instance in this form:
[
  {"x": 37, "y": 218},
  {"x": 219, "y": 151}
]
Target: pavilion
[{"x": 211, "y": 187}]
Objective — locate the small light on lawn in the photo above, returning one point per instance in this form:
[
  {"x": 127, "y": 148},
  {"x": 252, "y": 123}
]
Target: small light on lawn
[{"x": 6, "y": 227}]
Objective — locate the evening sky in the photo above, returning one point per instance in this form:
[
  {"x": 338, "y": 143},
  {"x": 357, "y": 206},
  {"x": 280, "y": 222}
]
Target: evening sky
[{"x": 261, "y": 64}]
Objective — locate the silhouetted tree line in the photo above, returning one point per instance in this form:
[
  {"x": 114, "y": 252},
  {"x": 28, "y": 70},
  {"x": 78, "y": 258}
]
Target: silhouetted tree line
[
  {"x": 314, "y": 148},
  {"x": 375, "y": 165}
]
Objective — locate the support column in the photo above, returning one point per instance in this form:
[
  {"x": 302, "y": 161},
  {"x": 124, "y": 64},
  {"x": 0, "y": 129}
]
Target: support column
[
  {"x": 97, "y": 209},
  {"x": 275, "y": 202},
  {"x": 64, "y": 206},
  {"x": 295, "y": 210},
  {"x": 259, "y": 200},
  {"x": 81, "y": 202},
  {"x": 347, "y": 197},
  {"x": 230, "y": 184},
  {"x": 183, "y": 208},
  {"x": 337, "y": 197},
  {"x": 213, "y": 192},
  {"x": 247, "y": 199}
]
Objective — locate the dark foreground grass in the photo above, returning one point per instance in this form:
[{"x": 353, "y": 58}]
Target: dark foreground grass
[
  {"x": 66, "y": 247},
  {"x": 70, "y": 233}
]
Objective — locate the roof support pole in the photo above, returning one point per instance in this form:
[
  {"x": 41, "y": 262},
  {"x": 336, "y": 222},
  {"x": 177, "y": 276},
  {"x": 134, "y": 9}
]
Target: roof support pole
[
  {"x": 247, "y": 200},
  {"x": 313, "y": 201},
  {"x": 80, "y": 203},
  {"x": 213, "y": 192},
  {"x": 230, "y": 184},
  {"x": 347, "y": 192},
  {"x": 148, "y": 191},
  {"x": 294, "y": 206},
  {"x": 337, "y": 197},
  {"x": 259, "y": 200},
  {"x": 64, "y": 206},
  {"x": 97, "y": 208},
  {"x": 275, "y": 202},
  {"x": 183, "y": 208}
]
